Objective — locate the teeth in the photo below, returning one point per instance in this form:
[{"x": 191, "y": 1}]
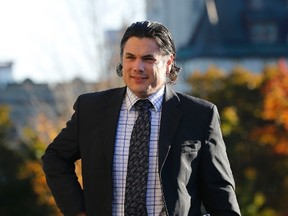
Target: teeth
[{"x": 138, "y": 78}]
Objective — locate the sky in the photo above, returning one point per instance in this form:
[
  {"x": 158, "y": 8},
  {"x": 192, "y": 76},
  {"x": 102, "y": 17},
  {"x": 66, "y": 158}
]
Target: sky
[{"x": 58, "y": 40}]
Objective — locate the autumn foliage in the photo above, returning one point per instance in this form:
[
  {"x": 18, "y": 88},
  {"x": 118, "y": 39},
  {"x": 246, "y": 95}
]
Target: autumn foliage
[
  {"x": 254, "y": 119},
  {"x": 275, "y": 109}
]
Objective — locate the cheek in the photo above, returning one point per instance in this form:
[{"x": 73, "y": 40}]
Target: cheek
[
  {"x": 124, "y": 67},
  {"x": 160, "y": 72},
  {"x": 159, "y": 77},
  {"x": 124, "y": 76},
  {"x": 162, "y": 69}
]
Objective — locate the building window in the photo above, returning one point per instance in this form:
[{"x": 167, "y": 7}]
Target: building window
[{"x": 263, "y": 32}]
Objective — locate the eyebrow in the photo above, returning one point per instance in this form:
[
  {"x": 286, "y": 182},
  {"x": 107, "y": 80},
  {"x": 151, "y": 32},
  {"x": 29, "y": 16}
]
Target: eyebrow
[{"x": 144, "y": 56}]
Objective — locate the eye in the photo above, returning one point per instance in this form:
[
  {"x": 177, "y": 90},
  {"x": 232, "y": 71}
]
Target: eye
[
  {"x": 149, "y": 59},
  {"x": 130, "y": 57}
]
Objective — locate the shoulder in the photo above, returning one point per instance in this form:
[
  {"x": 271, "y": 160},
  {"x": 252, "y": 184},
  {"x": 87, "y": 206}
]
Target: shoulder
[
  {"x": 100, "y": 100},
  {"x": 102, "y": 95},
  {"x": 190, "y": 101},
  {"x": 187, "y": 103},
  {"x": 197, "y": 110}
]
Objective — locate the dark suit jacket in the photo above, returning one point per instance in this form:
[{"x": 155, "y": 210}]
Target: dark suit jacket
[{"x": 193, "y": 164}]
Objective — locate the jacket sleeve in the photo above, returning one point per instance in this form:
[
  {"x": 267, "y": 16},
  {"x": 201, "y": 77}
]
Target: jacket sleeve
[
  {"x": 217, "y": 182},
  {"x": 58, "y": 165}
]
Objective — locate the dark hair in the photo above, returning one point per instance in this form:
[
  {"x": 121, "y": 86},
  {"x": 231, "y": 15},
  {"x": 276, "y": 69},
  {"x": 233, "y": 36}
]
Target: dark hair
[{"x": 160, "y": 33}]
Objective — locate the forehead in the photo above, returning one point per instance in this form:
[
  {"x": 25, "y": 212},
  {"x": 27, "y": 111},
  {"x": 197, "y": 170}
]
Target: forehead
[{"x": 135, "y": 45}]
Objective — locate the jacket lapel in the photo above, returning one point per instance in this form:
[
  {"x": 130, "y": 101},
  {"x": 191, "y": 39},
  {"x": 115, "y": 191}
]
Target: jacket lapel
[
  {"x": 111, "y": 115},
  {"x": 100, "y": 185},
  {"x": 169, "y": 123}
]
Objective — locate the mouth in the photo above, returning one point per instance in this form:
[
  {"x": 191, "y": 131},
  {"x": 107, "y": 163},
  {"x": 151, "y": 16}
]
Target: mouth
[{"x": 138, "y": 78}]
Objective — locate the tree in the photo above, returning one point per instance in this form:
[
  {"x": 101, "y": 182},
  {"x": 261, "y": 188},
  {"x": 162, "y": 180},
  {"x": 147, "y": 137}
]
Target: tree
[
  {"x": 18, "y": 197},
  {"x": 275, "y": 108},
  {"x": 246, "y": 104},
  {"x": 273, "y": 133}
]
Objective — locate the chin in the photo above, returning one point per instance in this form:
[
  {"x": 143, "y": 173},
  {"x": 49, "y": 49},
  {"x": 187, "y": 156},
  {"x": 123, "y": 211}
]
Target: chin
[{"x": 141, "y": 94}]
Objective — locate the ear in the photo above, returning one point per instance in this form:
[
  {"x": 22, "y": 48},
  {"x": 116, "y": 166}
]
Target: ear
[
  {"x": 119, "y": 71},
  {"x": 169, "y": 63}
]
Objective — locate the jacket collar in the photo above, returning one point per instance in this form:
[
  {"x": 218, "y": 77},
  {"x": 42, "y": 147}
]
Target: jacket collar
[{"x": 169, "y": 123}]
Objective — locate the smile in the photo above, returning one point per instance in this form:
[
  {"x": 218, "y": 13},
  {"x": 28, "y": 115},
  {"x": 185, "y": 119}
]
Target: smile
[{"x": 138, "y": 77}]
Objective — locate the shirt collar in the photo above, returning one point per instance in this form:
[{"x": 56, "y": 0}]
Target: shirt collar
[{"x": 156, "y": 99}]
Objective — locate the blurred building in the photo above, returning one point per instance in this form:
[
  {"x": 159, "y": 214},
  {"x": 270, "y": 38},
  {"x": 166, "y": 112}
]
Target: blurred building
[
  {"x": 250, "y": 33},
  {"x": 112, "y": 44},
  {"x": 29, "y": 101},
  {"x": 5, "y": 73},
  {"x": 181, "y": 17}
]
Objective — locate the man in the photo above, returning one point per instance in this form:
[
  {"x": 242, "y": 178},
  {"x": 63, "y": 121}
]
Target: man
[{"x": 187, "y": 163}]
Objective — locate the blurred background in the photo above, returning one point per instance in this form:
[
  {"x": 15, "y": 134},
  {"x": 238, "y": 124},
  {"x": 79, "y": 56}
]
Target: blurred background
[{"x": 233, "y": 53}]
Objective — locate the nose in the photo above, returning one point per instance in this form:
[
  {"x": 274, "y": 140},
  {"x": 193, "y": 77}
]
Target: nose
[{"x": 138, "y": 65}]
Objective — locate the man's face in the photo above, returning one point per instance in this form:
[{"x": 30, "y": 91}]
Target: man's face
[{"x": 144, "y": 67}]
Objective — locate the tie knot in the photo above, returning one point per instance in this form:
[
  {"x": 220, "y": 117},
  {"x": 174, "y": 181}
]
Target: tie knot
[{"x": 142, "y": 105}]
